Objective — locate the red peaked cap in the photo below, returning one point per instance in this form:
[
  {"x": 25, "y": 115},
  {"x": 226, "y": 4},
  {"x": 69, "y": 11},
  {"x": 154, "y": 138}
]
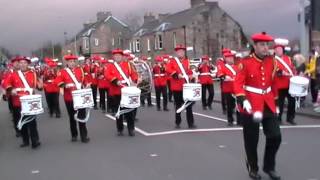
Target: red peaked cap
[
  {"x": 261, "y": 37},
  {"x": 96, "y": 58},
  {"x": 205, "y": 58},
  {"x": 179, "y": 47},
  {"x": 52, "y": 64},
  {"x": 117, "y": 51},
  {"x": 70, "y": 57},
  {"x": 228, "y": 54},
  {"x": 20, "y": 58},
  {"x": 158, "y": 59}
]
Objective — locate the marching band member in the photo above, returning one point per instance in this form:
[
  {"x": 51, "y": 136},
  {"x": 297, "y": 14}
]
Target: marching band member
[
  {"x": 220, "y": 64},
  {"x": 65, "y": 80},
  {"x": 51, "y": 89},
  {"x": 285, "y": 71},
  {"x": 103, "y": 84},
  {"x": 160, "y": 83},
  {"x": 256, "y": 94},
  {"x": 94, "y": 79},
  {"x": 146, "y": 95},
  {"x": 113, "y": 73},
  {"x": 20, "y": 83},
  {"x": 206, "y": 81},
  {"x": 227, "y": 74},
  {"x": 179, "y": 69},
  {"x": 166, "y": 60}
]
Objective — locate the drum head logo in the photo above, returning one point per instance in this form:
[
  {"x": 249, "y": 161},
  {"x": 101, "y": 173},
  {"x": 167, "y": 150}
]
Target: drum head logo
[
  {"x": 133, "y": 99},
  {"x": 34, "y": 105},
  {"x": 197, "y": 92},
  {"x": 86, "y": 99}
]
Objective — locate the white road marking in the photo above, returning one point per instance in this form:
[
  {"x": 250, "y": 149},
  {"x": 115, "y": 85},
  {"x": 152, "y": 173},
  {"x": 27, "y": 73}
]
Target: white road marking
[{"x": 208, "y": 129}]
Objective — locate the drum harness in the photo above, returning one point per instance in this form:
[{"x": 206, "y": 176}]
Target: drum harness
[
  {"x": 127, "y": 81},
  {"x": 30, "y": 90},
  {"x": 78, "y": 86}
]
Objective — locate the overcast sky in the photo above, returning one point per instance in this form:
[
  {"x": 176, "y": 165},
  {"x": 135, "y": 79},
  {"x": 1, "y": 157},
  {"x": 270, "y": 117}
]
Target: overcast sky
[{"x": 27, "y": 24}]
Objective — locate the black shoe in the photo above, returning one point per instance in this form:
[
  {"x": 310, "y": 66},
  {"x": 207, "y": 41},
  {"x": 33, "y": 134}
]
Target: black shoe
[
  {"x": 230, "y": 124},
  {"x": 35, "y": 145},
  {"x": 51, "y": 115},
  {"x": 193, "y": 127},
  {"x": 58, "y": 115},
  {"x": 120, "y": 133},
  {"x": 131, "y": 133},
  {"x": 204, "y": 107},
  {"x": 273, "y": 175},
  {"x": 166, "y": 109},
  {"x": 150, "y": 105},
  {"x": 178, "y": 127},
  {"x": 95, "y": 108},
  {"x": 254, "y": 175},
  {"x": 18, "y": 134},
  {"x": 210, "y": 107},
  {"x": 24, "y": 145},
  {"x": 85, "y": 140},
  {"x": 74, "y": 139},
  {"x": 158, "y": 109},
  {"x": 292, "y": 123},
  {"x": 224, "y": 112}
]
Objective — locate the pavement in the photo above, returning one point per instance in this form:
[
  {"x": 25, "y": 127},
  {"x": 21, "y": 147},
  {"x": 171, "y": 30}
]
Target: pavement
[{"x": 157, "y": 152}]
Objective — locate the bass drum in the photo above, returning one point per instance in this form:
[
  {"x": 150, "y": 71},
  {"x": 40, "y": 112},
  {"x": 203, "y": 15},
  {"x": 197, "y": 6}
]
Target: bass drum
[{"x": 145, "y": 76}]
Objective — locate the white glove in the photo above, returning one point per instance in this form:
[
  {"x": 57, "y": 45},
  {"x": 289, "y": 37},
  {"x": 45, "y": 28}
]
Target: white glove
[
  {"x": 247, "y": 106},
  {"x": 228, "y": 78},
  {"x": 277, "y": 110}
]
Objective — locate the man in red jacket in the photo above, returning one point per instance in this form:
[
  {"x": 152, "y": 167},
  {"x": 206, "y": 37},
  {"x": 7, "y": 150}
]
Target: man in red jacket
[
  {"x": 227, "y": 73},
  {"x": 117, "y": 81},
  {"x": 15, "y": 85},
  {"x": 160, "y": 83},
  {"x": 256, "y": 96},
  {"x": 51, "y": 89},
  {"x": 206, "y": 81},
  {"x": 65, "y": 81},
  {"x": 180, "y": 77},
  {"x": 285, "y": 71},
  {"x": 94, "y": 78},
  {"x": 103, "y": 84}
]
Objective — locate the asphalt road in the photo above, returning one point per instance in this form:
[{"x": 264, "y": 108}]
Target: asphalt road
[{"x": 157, "y": 152}]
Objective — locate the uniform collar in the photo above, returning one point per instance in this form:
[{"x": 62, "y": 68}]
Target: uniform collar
[{"x": 257, "y": 58}]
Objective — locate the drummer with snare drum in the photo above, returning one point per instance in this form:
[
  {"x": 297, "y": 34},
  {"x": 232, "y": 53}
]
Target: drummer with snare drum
[
  {"x": 180, "y": 74},
  {"x": 285, "y": 70},
  {"x": 21, "y": 83},
  {"x": 65, "y": 79},
  {"x": 121, "y": 74}
]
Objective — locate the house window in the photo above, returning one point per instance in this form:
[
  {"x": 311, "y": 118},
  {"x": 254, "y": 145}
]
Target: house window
[
  {"x": 130, "y": 46},
  {"x": 113, "y": 42},
  {"x": 138, "y": 45},
  {"x": 119, "y": 42},
  {"x": 174, "y": 39},
  {"x": 149, "y": 48},
  {"x": 160, "y": 42},
  {"x": 133, "y": 47},
  {"x": 86, "y": 43},
  {"x": 155, "y": 42},
  {"x": 96, "y": 42}
]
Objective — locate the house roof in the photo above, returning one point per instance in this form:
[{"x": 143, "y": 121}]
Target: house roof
[{"x": 174, "y": 21}]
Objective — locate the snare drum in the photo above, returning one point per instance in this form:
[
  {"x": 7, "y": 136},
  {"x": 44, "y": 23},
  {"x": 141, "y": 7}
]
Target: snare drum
[
  {"x": 192, "y": 92},
  {"x": 31, "y": 105},
  {"x": 130, "y": 97},
  {"x": 298, "y": 86},
  {"x": 82, "y": 99}
]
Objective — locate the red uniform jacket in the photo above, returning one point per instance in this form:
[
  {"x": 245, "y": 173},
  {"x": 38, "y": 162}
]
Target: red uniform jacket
[
  {"x": 112, "y": 75},
  {"x": 13, "y": 81},
  {"x": 94, "y": 72},
  {"x": 64, "y": 80},
  {"x": 205, "y": 74},
  {"x": 257, "y": 73},
  {"x": 49, "y": 85},
  {"x": 173, "y": 70},
  {"x": 281, "y": 81},
  {"x": 159, "y": 75},
  {"x": 87, "y": 72},
  {"x": 103, "y": 83},
  {"x": 228, "y": 85}
]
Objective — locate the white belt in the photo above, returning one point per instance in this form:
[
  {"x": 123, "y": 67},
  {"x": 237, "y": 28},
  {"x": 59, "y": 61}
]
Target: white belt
[
  {"x": 159, "y": 75},
  {"x": 257, "y": 90},
  {"x": 85, "y": 73},
  {"x": 50, "y": 81},
  {"x": 70, "y": 85},
  {"x": 22, "y": 89},
  {"x": 204, "y": 74}
]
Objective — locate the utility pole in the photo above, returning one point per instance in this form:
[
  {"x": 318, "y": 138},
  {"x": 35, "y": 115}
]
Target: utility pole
[{"x": 304, "y": 31}]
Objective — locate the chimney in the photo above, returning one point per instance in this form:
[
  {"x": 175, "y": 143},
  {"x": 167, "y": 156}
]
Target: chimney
[
  {"x": 102, "y": 15},
  {"x": 161, "y": 17},
  {"x": 149, "y": 17},
  {"x": 87, "y": 24},
  {"x": 195, "y": 3}
]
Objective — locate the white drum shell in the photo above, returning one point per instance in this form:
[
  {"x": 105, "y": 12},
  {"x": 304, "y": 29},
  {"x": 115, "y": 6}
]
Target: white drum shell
[
  {"x": 82, "y": 99},
  {"x": 298, "y": 86},
  {"x": 192, "y": 92},
  {"x": 130, "y": 97},
  {"x": 31, "y": 105}
]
